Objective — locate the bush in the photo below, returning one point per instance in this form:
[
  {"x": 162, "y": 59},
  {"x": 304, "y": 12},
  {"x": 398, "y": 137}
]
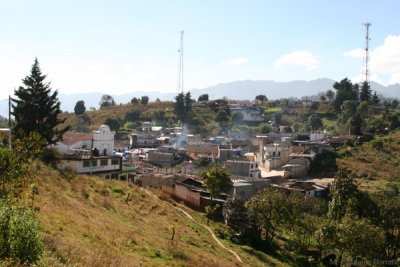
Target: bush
[
  {"x": 51, "y": 156},
  {"x": 19, "y": 234}
]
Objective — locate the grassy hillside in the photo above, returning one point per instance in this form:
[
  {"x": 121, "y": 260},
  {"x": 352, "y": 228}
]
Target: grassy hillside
[
  {"x": 98, "y": 117},
  {"x": 375, "y": 164},
  {"x": 88, "y": 221}
]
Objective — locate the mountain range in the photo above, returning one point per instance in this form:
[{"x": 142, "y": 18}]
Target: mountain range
[{"x": 240, "y": 90}]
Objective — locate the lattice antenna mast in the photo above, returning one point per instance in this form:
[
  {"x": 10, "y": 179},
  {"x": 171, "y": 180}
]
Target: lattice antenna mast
[
  {"x": 180, "y": 68},
  {"x": 366, "y": 67}
]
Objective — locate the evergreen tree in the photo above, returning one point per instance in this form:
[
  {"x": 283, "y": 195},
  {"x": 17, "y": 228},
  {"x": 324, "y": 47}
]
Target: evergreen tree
[
  {"x": 36, "y": 108},
  {"x": 365, "y": 93},
  {"x": 80, "y": 107},
  {"x": 183, "y": 106},
  {"x": 375, "y": 99},
  {"x": 188, "y": 102}
]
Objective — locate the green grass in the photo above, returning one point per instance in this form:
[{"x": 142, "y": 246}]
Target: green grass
[{"x": 273, "y": 109}]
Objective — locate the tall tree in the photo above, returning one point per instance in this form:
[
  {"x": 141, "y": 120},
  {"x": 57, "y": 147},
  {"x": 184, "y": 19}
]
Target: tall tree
[
  {"x": 271, "y": 209},
  {"x": 344, "y": 188},
  {"x": 365, "y": 93},
  {"x": 134, "y": 100},
  {"x": 183, "y": 106},
  {"x": 375, "y": 99},
  {"x": 330, "y": 95},
  {"x": 114, "y": 124},
  {"x": 36, "y": 108},
  {"x": 79, "y": 108},
  {"x": 144, "y": 100},
  {"x": 345, "y": 90},
  {"x": 262, "y": 98},
  {"x": 203, "y": 97},
  {"x": 106, "y": 101},
  {"x": 217, "y": 180},
  {"x": 315, "y": 122},
  {"x": 188, "y": 102}
]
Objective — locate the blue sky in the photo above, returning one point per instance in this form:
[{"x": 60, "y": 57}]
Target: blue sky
[{"x": 120, "y": 46}]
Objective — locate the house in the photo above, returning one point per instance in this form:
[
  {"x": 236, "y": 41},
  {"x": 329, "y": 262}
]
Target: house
[
  {"x": 243, "y": 169},
  {"x": 245, "y": 189},
  {"x": 164, "y": 158},
  {"x": 105, "y": 166},
  {"x": 147, "y": 137},
  {"x": 193, "y": 193},
  {"x": 101, "y": 140},
  {"x": 196, "y": 151},
  {"x": 307, "y": 188},
  {"x": 251, "y": 115},
  {"x": 275, "y": 155},
  {"x": 298, "y": 165}
]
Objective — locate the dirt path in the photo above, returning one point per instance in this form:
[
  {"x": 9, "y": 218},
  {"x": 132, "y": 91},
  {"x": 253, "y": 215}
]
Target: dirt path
[{"x": 204, "y": 226}]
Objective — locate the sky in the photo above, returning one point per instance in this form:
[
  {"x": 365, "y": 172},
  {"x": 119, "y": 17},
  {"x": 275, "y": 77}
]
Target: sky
[{"x": 118, "y": 46}]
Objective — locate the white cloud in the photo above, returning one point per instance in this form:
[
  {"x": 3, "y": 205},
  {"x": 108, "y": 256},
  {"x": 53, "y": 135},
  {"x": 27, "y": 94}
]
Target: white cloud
[
  {"x": 237, "y": 61},
  {"x": 298, "y": 58},
  {"x": 384, "y": 59}
]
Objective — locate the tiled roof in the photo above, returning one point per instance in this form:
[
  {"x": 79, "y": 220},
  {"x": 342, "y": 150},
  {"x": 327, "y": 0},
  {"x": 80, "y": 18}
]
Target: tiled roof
[{"x": 72, "y": 138}]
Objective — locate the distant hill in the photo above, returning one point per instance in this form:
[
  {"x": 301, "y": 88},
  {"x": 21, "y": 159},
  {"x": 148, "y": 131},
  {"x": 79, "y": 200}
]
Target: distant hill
[{"x": 247, "y": 89}]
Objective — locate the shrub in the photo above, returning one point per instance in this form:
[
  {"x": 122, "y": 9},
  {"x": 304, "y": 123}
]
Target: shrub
[
  {"x": 51, "y": 156},
  {"x": 19, "y": 234}
]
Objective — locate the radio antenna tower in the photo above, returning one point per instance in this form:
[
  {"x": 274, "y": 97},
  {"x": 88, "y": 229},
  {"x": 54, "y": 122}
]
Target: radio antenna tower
[
  {"x": 180, "y": 68},
  {"x": 366, "y": 66}
]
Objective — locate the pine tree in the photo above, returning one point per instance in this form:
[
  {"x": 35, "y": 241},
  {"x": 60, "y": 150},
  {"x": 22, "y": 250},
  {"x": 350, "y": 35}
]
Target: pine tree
[
  {"x": 365, "y": 93},
  {"x": 375, "y": 99},
  {"x": 36, "y": 108}
]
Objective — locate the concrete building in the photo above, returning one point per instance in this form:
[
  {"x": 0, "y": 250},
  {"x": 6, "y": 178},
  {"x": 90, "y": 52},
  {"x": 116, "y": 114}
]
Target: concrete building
[
  {"x": 243, "y": 169},
  {"x": 274, "y": 155},
  {"x": 163, "y": 158},
  {"x": 309, "y": 189},
  {"x": 196, "y": 151},
  {"x": 297, "y": 166},
  {"x": 245, "y": 189},
  {"x": 105, "y": 166},
  {"x": 147, "y": 137}
]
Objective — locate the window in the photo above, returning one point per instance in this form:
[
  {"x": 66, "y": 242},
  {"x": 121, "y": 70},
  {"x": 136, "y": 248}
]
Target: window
[
  {"x": 114, "y": 161},
  {"x": 86, "y": 163},
  {"x": 104, "y": 162},
  {"x": 94, "y": 163}
]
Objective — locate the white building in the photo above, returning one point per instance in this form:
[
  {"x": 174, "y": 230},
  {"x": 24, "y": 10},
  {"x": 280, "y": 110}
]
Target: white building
[
  {"x": 102, "y": 140},
  {"x": 106, "y": 166}
]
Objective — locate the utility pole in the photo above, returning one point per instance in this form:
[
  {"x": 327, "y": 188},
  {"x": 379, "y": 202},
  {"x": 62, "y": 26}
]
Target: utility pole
[
  {"x": 366, "y": 67},
  {"x": 180, "y": 68},
  {"x": 9, "y": 122}
]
